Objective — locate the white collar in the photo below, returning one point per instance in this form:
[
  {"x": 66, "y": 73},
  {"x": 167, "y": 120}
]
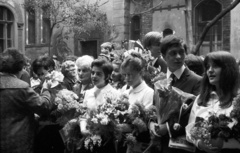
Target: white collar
[
  {"x": 177, "y": 73},
  {"x": 139, "y": 88}
]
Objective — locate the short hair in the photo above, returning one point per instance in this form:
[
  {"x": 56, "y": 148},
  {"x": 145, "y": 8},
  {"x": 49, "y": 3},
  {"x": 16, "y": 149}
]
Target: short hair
[
  {"x": 108, "y": 45},
  {"x": 43, "y": 61},
  {"x": 11, "y": 61},
  {"x": 151, "y": 38},
  {"x": 66, "y": 65},
  {"x": 229, "y": 77},
  {"x": 135, "y": 61},
  {"x": 172, "y": 41},
  {"x": 105, "y": 65},
  {"x": 195, "y": 63},
  {"x": 84, "y": 60}
]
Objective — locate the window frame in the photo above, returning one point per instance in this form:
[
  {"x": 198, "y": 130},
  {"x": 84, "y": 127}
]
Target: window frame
[{"x": 5, "y": 22}]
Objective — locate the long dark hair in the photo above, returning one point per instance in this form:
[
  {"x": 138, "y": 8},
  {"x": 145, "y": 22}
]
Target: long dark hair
[{"x": 229, "y": 78}]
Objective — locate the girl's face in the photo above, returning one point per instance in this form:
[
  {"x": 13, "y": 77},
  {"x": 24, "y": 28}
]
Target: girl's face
[
  {"x": 116, "y": 76},
  {"x": 132, "y": 78},
  {"x": 213, "y": 73},
  {"x": 98, "y": 77},
  {"x": 84, "y": 74}
]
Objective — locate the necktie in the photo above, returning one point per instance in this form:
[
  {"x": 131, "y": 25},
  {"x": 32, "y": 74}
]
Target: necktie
[{"x": 173, "y": 79}]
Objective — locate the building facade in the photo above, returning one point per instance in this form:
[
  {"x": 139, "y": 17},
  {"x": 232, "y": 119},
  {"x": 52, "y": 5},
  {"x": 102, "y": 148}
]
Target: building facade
[{"x": 131, "y": 19}]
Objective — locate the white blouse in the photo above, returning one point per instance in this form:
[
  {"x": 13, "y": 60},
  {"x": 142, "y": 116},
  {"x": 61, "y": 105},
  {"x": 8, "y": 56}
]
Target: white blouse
[
  {"x": 142, "y": 94},
  {"x": 95, "y": 96}
]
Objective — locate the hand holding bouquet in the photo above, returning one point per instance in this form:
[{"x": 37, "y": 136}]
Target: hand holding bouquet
[
  {"x": 67, "y": 106},
  {"x": 211, "y": 129}
]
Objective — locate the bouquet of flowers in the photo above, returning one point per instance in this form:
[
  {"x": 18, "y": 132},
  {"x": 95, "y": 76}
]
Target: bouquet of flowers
[
  {"x": 169, "y": 100},
  {"x": 137, "y": 119},
  {"x": 103, "y": 124},
  {"x": 54, "y": 78},
  {"x": 217, "y": 126},
  {"x": 67, "y": 106},
  {"x": 211, "y": 128},
  {"x": 170, "y": 103},
  {"x": 235, "y": 115}
]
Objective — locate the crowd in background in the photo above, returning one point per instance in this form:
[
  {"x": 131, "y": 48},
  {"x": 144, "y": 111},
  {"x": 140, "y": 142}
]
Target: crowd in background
[{"x": 129, "y": 73}]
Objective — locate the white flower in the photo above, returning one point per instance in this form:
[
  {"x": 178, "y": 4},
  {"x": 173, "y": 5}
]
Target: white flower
[
  {"x": 94, "y": 120},
  {"x": 104, "y": 121}
]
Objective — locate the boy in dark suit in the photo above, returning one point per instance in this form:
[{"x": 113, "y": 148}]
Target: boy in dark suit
[
  {"x": 174, "y": 50},
  {"x": 151, "y": 42}
]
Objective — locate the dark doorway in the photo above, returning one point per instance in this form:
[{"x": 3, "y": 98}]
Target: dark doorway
[
  {"x": 135, "y": 28},
  {"x": 89, "y": 48}
]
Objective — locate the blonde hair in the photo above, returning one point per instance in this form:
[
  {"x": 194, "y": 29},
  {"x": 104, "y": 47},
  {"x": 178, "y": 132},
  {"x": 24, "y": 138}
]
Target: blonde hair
[{"x": 85, "y": 60}]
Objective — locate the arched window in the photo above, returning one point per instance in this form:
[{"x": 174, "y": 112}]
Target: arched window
[
  {"x": 204, "y": 13},
  {"x": 135, "y": 28},
  {"x": 6, "y": 28}
]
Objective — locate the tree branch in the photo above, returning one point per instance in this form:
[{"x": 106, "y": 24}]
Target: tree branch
[
  {"x": 160, "y": 3},
  {"x": 211, "y": 23}
]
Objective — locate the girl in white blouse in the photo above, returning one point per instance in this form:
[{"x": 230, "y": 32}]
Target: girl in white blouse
[
  {"x": 132, "y": 69},
  {"x": 100, "y": 75},
  {"x": 219, "y": 87}
]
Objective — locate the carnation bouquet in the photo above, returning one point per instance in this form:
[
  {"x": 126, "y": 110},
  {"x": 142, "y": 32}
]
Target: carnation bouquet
[{"x": 210, "y": 129}]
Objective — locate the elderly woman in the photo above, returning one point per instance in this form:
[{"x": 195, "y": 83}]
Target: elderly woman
[
  {"x": 69, "y": 72},
  {"x": 18, "y": 104},
  {"x": 84, "y": 81}
]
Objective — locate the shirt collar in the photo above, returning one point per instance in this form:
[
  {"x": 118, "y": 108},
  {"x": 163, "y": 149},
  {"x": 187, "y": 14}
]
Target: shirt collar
[
  {"x": 177, "y": 73},
  {"x": 139, "y": 88}
]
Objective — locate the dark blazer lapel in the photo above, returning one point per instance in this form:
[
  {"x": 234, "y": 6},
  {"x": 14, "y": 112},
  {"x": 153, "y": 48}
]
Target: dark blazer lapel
[{"x": 183, "y": 78}]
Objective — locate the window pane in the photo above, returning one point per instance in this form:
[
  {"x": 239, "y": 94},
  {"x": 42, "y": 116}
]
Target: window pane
[
  {"x": 9, "y": 43},
  {"x": 1, "y": 13},
  {"x": 31, "y": 28},
  {"x": 1, "y": 45},
  {"x": 46, "y": 30},
  {"x": 9, "y": 15},
  {"x": 1, "y": 30},
  {"x": 9, "y": 30}
]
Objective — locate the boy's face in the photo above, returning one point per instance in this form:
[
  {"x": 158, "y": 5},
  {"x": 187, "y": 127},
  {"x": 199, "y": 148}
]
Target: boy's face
[
  {"x": 175, "y": 57},
  {"x": 155, "y": 49}
]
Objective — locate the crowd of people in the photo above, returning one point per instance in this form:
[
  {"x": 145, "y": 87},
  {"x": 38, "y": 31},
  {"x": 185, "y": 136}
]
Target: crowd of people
[{"x": 26, "y": 99}]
